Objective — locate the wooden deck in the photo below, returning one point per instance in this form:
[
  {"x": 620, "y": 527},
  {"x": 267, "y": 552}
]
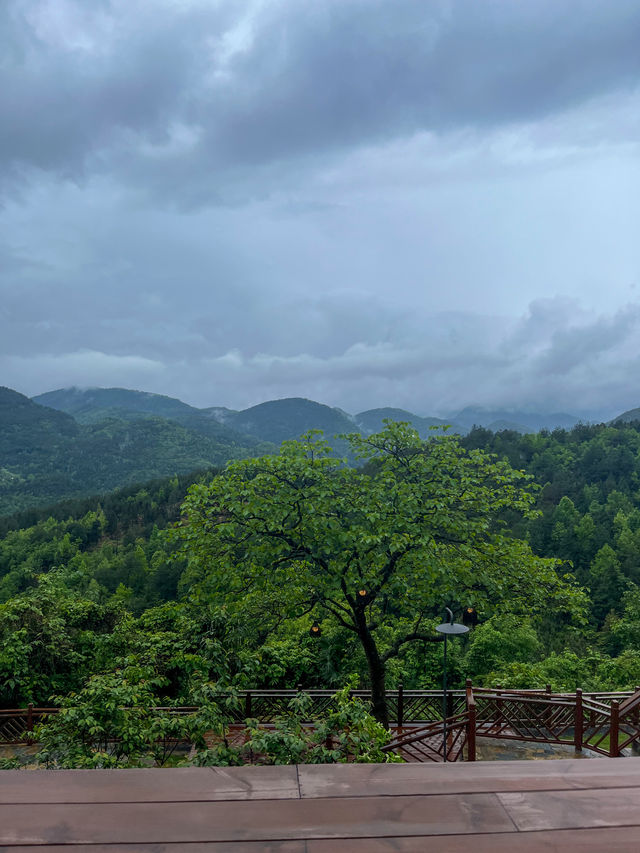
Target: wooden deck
[{"x": 498, "y": 807}]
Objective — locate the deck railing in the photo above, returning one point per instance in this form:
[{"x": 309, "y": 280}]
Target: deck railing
[{"x": 603, "y": 722}]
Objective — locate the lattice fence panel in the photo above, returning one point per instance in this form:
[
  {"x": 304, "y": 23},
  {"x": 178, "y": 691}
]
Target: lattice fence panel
[
  {"x": 596, "y": 727},
  {"x": 422, "y": 708},
  {"x": 427, "y": 743},
  {"x": 266, "y": 708},
  {"x": 13, "y": 729},
  {"x": 534, "y": 719}
]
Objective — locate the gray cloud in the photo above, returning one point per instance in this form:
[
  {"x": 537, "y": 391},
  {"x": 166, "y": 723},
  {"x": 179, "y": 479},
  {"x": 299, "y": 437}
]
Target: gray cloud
[{"x": 205, "y": 102}]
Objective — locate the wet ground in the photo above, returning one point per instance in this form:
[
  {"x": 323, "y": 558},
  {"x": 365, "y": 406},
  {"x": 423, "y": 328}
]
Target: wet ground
[{"x": 499, "y": 749}]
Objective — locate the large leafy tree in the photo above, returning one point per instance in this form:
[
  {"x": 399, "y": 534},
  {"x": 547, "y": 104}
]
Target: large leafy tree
[{"x": 381, "y": 549}]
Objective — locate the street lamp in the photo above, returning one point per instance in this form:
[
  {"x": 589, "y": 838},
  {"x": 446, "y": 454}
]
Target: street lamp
[{"x": 447, "y": 628}]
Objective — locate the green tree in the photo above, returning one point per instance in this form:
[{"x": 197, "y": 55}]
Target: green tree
[
  {"x": 606, "y": 582},
  {"x": 381, "y": 550},
  {"x": 499, "y": 641}
]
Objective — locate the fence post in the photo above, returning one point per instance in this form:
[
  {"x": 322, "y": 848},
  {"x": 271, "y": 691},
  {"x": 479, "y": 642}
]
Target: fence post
[
  {"x": 400, "y": 704},
  {"x": 449, "y": 710},
  {"x": 614, "y": 729},
  {"x": 497, "y": 714},
  {"x": 578, "y": 722},
  {"x": 30, "y": 717},
  {"x": 247, "y": 704},
  {"x": 471, "y": 722},
  {"x": 548, "y": 710}
]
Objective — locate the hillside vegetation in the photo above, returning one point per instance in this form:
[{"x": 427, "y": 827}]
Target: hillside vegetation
[
  {"x": 46, "y": 455},
  {"x": 90, "y": 581}
]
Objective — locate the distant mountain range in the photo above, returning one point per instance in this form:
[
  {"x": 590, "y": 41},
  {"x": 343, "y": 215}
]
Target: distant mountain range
[
  {"x": 74, "y": 442},
  {"x": 499, "y": 419},
  {"x": 277, "y": 420}
]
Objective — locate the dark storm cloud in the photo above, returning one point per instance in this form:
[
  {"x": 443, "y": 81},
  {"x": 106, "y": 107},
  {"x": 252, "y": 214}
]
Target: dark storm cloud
[
  {"x": 64, "y": 100},
  {"x": 209, "y": 101},
  {"x": 346, "y": 72}
]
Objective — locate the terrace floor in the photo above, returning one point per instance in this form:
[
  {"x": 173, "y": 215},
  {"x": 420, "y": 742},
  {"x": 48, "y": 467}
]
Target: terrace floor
[{"x": 487, "y": 807}]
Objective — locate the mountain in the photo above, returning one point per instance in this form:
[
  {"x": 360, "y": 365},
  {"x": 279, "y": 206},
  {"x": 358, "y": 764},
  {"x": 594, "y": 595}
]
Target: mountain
[
  {"x": 74, "y": 442},
  {"x": 29, "y": 435},
  {"x": 46, "y": 455},
  {"x": 279, "y": 420},
  {"x": 373, "y": 421},
  {"x": 627, "y": 417},
  {"x": 81, "y": 402},
  {"x": 93, "y": 405},
  {"x": 273, "y": 421},
  {"x": 521, "y": 421}
]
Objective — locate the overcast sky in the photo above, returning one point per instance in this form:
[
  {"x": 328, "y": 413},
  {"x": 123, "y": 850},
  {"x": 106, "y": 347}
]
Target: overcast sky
[{"x": 409, "y": 203}]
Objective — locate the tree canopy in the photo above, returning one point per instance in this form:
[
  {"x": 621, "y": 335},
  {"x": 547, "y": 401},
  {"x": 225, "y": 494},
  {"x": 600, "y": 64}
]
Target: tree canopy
[{"x": 380, "y": 549}]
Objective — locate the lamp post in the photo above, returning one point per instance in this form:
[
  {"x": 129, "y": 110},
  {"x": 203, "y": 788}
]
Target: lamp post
[{"x": 447, "y": 628}]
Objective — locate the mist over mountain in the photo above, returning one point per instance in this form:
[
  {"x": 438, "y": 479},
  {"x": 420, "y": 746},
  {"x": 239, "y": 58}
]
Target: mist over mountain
[
  {"x": 373, "y": 421},
  {"x": 521, "y": 421}
]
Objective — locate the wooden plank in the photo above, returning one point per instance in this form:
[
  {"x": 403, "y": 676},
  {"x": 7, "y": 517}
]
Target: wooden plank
[
  {"x": 538, "y": 810},
  {"x": 148, "y": 785},
  {"x": 252, "y": 820},
  {"x": 361, "y": 780},
  {"x": 615, "y": 840},
  {"x": 208, "y": 847}
]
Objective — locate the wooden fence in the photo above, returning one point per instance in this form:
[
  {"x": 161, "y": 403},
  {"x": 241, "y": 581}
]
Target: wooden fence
[{"x": 605, "y": 723}]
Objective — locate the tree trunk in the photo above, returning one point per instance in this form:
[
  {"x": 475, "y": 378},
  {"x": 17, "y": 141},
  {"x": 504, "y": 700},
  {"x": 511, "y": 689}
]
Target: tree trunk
[{"x": 376, "y": 672}]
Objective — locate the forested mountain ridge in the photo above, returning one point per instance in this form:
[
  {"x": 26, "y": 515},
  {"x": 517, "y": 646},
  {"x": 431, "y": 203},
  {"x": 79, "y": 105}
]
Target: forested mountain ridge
[
  {"x": 273, "y": 421},
  {"x": 80, "y": 402},
  {"x": 92, "y": 405},
  {"x": 276, "y": 420},
  {"x": 97, "y": 439},
  {"x": 46, "y": 455},
  {"x": 373, "y": 421}
]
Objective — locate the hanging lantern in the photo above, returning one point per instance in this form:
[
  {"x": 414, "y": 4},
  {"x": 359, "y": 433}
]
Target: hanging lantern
[{"x": 470, "y": 617}]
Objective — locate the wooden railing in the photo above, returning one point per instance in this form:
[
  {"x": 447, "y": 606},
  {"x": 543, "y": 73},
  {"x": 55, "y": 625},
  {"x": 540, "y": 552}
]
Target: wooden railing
[
  {"x": 605, "y": 723},
  {"x": 17, "y": 724}
]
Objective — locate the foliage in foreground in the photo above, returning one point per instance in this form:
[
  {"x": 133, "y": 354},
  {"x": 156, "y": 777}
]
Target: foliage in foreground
[{"x": 115, "y": 722}]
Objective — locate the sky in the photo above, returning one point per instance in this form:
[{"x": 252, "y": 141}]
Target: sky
[{"x": 425, "y": 204}]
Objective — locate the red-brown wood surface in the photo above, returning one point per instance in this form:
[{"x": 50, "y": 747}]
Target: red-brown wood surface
[{"x": 590, "y": 806}]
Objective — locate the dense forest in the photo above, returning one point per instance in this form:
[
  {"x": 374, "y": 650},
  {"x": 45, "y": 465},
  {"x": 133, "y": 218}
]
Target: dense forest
[{"x": 109, "y": 588}]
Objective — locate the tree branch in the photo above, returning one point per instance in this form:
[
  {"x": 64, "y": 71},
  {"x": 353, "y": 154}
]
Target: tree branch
[{"x": 409, "y": 638}]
